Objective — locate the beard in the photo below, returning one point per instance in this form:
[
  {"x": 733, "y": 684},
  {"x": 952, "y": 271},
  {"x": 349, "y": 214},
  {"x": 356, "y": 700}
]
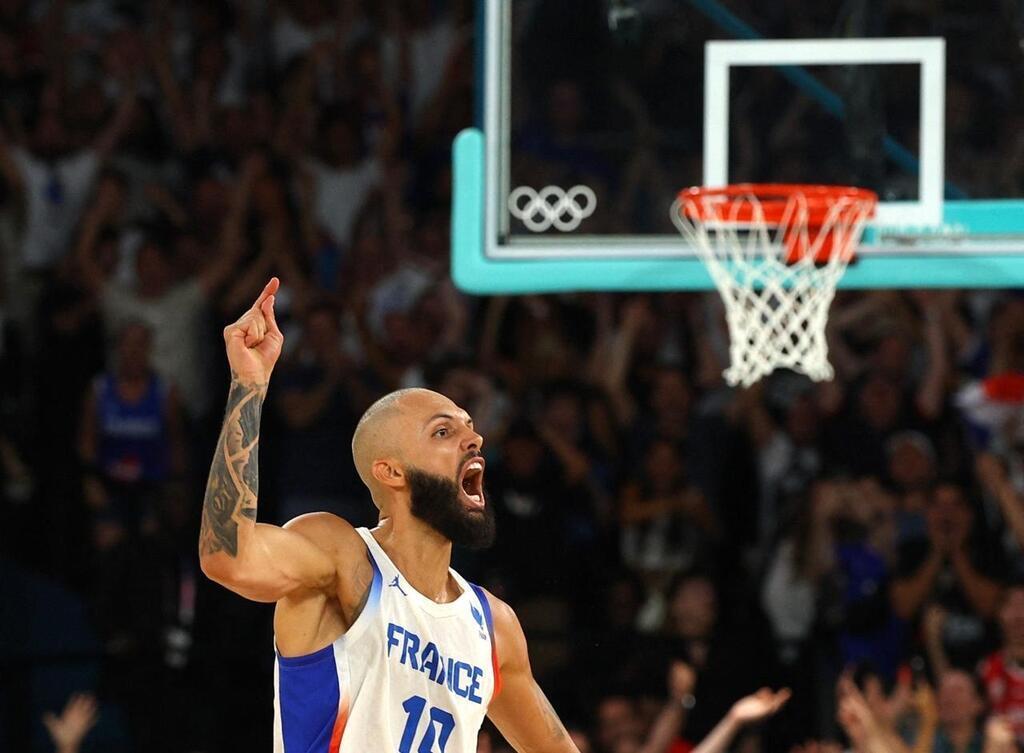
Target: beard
[{"x": 435, "y": 501}]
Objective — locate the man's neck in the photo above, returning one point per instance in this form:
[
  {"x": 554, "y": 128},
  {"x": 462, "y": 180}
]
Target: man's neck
[{"x": 421, "y": 554}]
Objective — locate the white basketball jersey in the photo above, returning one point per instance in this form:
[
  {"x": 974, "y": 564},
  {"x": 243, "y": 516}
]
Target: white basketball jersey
[{"x": 409, "y": 676}]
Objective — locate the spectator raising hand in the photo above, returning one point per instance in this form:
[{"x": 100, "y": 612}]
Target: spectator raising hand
[
  {"x": 955, "y": 567},
  {"x": 868, "y": 732},
  {"x": 753, "y": 708},
  {"x": 669, "y": 722},
  {"x": 69, "y": 729}
]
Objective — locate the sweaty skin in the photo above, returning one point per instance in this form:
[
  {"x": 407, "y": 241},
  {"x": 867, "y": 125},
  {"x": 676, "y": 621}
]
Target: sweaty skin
[{"x": 315, "y": 568}]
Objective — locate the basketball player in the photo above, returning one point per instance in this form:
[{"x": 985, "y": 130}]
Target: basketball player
[{"x": 381, "y": 647}]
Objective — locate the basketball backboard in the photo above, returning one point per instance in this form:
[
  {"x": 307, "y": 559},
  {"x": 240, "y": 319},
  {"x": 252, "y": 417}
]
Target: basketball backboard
[{"x": 597, "y": 112}]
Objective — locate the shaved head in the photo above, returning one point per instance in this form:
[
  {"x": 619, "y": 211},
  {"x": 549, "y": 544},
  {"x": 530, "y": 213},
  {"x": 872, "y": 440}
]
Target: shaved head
[
  {"x": 419, "y": 455},
  {"x": 376, "y": 436}
]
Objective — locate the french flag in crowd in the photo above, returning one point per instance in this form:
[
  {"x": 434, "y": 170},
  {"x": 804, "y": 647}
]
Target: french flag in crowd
[{"x": 993, "y": 406}]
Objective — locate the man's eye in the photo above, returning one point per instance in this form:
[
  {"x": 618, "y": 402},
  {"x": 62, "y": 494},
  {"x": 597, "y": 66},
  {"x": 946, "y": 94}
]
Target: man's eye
[{"x": 441, "y": 432}]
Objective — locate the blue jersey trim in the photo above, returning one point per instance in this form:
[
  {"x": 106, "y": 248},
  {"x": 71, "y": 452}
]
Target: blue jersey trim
[
  {"x": 309, "y": 698},
  {"x": 485, "y": 604},
  {"x": 378, "y": 584},
  {"x": 305, "y": 659},
  {"x": 309, "y": 692}
]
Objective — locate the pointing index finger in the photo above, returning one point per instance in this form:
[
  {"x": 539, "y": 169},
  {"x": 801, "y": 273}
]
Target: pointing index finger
[{"x": 268, "y": 290}]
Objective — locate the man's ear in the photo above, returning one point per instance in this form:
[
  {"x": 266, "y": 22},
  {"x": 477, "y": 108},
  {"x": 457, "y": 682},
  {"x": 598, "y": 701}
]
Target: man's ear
[{"x": 388, "y": 473}]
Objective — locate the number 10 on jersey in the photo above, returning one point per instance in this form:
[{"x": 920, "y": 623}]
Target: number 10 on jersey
[{"x": 440, "y": 719}]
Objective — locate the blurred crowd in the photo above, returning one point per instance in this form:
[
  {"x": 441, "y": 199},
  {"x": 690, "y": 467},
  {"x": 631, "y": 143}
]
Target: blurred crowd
[{"x": 671, "y": 545}]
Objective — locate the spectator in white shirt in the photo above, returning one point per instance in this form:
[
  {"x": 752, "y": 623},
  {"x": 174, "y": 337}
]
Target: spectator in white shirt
[
  {"x": 55, "y": 180},
  {"x": 173, "y": 309}
]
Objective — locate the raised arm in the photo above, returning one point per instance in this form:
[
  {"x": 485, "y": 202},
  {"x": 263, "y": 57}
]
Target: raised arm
[
  {"x": 521, "y": 711},
  {"x": 101, "y": 213},
  {"x": 994, "y": 480},
  {"x": 752, "y": 708},
  {"x": 232, "y": 231},
  {"x": 982, "y": 592},
  {"x": 909, "y": 593},
  {"x": 610, "y": 367},
  {"x": 933, "y": 625},
  {"x": 932, "y": 391},
  {"x": 670, "y": 720},
  {"x": 259, "y": 562},
  {"x": 867, "y": 733},
  {"x": 174, "y": 99},
  {"x": 119, "y": 123}
]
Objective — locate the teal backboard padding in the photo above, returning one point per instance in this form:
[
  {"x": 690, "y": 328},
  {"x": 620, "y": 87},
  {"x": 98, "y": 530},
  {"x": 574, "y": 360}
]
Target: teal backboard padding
[{"x": 476, "y": 272}]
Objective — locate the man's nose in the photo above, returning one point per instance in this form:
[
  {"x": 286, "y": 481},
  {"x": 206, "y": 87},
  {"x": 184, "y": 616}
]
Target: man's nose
[{"x": 473, "y": 441}]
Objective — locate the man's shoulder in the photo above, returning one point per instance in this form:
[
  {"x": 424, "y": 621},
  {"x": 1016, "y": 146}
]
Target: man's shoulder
[{"x": 331, "y": 533}]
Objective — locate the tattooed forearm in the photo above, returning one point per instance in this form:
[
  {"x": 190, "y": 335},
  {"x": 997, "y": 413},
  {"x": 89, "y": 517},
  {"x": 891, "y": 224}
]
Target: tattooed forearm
[
  {"x": 555, "y": 727},
  {"x": 233, "y": 485}
]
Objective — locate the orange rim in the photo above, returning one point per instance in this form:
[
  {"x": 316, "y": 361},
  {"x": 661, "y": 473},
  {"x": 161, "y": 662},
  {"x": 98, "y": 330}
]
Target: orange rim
[{"x": 773, "y": 198}]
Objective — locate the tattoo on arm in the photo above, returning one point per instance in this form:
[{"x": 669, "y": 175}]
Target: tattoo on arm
[
  {"x": 555, "y": 727},
  {"x": 233, "y": 485}
]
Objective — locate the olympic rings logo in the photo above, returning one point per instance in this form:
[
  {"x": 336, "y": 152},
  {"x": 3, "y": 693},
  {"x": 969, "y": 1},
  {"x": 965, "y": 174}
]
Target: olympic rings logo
[{"x": 552, "y": 207}]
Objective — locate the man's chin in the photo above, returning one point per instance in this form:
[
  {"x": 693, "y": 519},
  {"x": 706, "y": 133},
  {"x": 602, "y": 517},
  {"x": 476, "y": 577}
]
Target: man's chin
[{"x": 437, "y": 501}]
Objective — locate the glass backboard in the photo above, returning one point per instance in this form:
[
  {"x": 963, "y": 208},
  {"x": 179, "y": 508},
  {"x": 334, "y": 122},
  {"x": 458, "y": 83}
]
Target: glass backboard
[{"x": 597, "y": 112}]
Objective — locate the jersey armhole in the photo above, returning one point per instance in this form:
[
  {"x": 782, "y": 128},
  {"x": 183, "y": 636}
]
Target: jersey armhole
[
  {"x": 486, "y": 606},
  {"x": 370, "y": 607}
]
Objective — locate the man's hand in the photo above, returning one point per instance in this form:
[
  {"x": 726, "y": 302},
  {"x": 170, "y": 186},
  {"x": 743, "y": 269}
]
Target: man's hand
[
  {"x": 867, "y": 732},
  {"x": 855, "y": 718},
  {"x": 759, "y": 705},
  {"x": 753, "y": 708},
  {"x": 999, "y": 736},
  {"x": 69, "y": 729},
  {"x": 254, "y": 341}
]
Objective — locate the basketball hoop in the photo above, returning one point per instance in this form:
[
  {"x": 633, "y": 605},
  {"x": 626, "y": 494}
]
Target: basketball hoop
[{"x": 776, "y": 253}]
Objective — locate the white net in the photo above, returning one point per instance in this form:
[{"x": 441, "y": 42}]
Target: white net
[{"x": 777, "y": 277}]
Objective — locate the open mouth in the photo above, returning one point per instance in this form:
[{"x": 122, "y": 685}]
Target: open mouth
[{"x": 471, "y": 482}]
